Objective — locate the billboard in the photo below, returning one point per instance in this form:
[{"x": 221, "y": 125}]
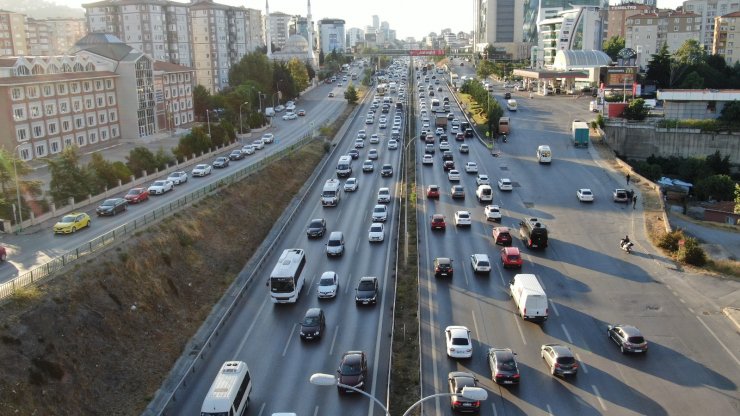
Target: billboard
[{"x": 426, "y": 52}]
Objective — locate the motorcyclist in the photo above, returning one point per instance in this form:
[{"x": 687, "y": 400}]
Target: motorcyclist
[{"x": 625, "y": 241}]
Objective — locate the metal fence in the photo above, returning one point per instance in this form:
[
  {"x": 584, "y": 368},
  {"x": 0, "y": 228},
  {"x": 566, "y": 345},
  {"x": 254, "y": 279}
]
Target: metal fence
[{"x": 49, "y": 269}]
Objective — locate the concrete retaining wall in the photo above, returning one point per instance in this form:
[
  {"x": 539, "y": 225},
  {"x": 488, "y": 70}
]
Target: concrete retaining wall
[{"x": 639, "y": 141}]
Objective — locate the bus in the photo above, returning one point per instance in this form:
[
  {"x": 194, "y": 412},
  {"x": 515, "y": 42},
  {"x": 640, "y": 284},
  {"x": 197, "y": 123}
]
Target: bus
[
  {"x": 286, "y": 279},
  {"x": 381, "y": 89},
  {"x": 229, "y": 393}
]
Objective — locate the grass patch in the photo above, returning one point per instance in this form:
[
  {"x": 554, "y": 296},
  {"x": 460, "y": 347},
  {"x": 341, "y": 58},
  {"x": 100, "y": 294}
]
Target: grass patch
[
  {"x": 724, "y": 267},
  {"x": 27, "y": 294}
]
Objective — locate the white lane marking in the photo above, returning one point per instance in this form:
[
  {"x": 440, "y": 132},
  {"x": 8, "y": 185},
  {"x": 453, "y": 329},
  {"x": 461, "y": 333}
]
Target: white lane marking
[
  {"x": 549, "y": 410},
  {"x": 567, "y": 335},
  {"x": 581, "y": 363},
  {"x": 357, "y": 246},
  {"x": 682, "y": 301},
  {"x": 262, "y": 409},
  {"x": 316, "y": 411},
  {"x": 519, "y": 327},
  {"x": 598, "y": 396},
  {"x": 334, "y": 340},
  {"x": 285, "y": 350},
  {"x": 720, "y": 342},
  {"x": 493, "y": 407},
  {"x": 465, "y": 274},
  {"x": 554, "y": 308},
  {"x": 692, "y": 311},
  {"x": 475, "y": 325},
  {"x": 249, "y": 331}
]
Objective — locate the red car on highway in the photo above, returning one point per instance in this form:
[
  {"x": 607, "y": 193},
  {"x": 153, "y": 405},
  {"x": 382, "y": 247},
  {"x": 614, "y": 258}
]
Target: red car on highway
[
  {"x": 510, "y": 257},
  {"x": 136, "y": 195},
  {"x": 432, "y": 191},
  {"x": 502, "y": 236},
  {"x": 438, "y": 222}
]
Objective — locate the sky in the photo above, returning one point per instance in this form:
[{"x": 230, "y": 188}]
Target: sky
[{"x": 409, "y": 18}]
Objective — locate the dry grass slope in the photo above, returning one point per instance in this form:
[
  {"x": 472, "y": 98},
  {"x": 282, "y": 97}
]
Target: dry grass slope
[{"x": 101, "y": 338}]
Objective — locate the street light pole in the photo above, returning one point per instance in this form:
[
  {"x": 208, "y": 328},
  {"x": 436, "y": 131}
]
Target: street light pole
[
  {"x": 208, "y": 119},
  {"x": 18, "y": 189},
  {"x": 241, "y": 125},
  {"x": 320, "y": 379}
]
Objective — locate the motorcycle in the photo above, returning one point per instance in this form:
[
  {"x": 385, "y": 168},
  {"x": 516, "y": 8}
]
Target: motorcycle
[
  {"x": 504, "y": 138},
  {"x": 626, "y": 245}
]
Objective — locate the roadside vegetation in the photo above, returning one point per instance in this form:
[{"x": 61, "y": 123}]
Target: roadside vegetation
[{"x": 483, "y": 111}]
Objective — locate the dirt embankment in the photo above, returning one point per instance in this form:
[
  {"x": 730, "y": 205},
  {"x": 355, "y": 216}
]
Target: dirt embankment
[{"x": 100, "y": 339}]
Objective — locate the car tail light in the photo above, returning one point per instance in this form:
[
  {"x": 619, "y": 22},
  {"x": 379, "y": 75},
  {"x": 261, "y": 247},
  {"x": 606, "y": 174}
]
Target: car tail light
[
  {"x": 575, "y": 365},
  {"x": 476, "y": 404},
  {"x": 436, "y": 269},
  {"x": 556, "y": 365},
  {"x": 457, "y": 403},
  {"x": 525, "y": 311},
  {"x": 516, "y": 376}
]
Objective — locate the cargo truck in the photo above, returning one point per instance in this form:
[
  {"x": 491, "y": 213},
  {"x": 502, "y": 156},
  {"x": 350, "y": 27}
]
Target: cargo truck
[
  {"x": 580, "y": 132},
  {"x": 441, "y": 121}
]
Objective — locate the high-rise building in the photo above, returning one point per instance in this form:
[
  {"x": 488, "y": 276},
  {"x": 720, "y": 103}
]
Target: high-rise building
[
  {"x": 376, "y": 22},
  {"x": 617, "y": 17},
  {"x": 726, "y": 33},
  {"x": 279, "y": 23},
  {"x": 38, "y": 37},
  {"x": 13, "y": 39},
  {"x": 355, "y": 35},
  {"x": 536, "y": 11},
  {"x": 331, "y": 35},
  {"x": 707, "y": 11},
  {"x": 574, "y": 29},
  {"x": 647, "y": 32},
  {"x": 501, "y": 23}
]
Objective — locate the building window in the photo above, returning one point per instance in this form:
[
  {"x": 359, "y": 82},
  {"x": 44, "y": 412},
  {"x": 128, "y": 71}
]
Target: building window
[
  {"x": 52, "y": 127},
  {"x": 91, "y": 120},
  {"x": 63, "y": 107},
  {"x": 34, "y": 109},
  {"x": 101, "y": 102},
  {"x": 81, "y": 139},
  {"x": 98, "y": 85},
  {"x": 38, "y": 131},
  {"x": 88, "y": 103},
  {"x": 32, "y": 92},
  {"x": 77, "y": 105},
  {"x": 109, "y": 84},
  {"x": 92, "y": 137},
  {"x": 68, "y": 141},
  {"x": 19, "y": 113},
  {"x": 111, "y": 99},
  {"x": 74, "y": 87},
  {"x": 26, "y": 154},
  {"x": 102, "y": 118},
  {"x": 87, "y": 86},
  {"x": 50, "y": 109},
  {"x": 104, "y": 134},
  {"x": 54, "y": 145},
  {"x": 66, "y": 126},
  {"x": 62, "y": 89},
  {"x": 112, "y": 115},
  {"x": 79, "y": 122},
  {"x": 40, "y": 150},
  {"x": 21, "y": 133},
  {"x": 114, "y": 132},
  {"x": 17, "y": 94}
]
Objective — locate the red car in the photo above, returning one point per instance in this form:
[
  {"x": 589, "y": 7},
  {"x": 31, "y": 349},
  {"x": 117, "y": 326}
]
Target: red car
[
  {"x": 460, "y": 136},
  {"x": 301, "y": 113},
  {"x": 510, "y": 257},
  {"x": 136, "y": 195},
  {"x": 3, "y": 253},
  {"x": 438, "y": 222},
  {"x": 502, "y": 236},
  {"x": 432, "y": 191}
]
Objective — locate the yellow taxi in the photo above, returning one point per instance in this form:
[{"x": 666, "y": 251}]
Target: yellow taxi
[{"x": 72, "y": 222}]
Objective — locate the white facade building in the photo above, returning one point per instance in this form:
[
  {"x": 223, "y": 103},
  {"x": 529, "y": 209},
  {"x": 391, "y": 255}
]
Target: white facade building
[
  {"x": 707, "y": 11},
  {"x": 331, "y": 35},
  {"x": 576, "y": 29}
]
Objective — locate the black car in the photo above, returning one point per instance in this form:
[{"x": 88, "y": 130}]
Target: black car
[
  {"x": 447, "y": 155},
  {"x": 236, "y": 155},
  {"x": 316, "y": 228},
  {"x": 443, "y": 267},
  {"x": 468, "y": 132},
  {"x": 504, "y": 369},
  {"x": 386, "y": 170},
  {"x": 507, "y": 95},
  {"x": 628, "y": 338},
  {"x": 112, "y": 206},
  {"x": 457, "y": 380},
  {"x": 533, "y": 233},
  {"x": 313, "y": 324},
  {"x": 448, "y": 165},
  {"x": 221, "y": 162},
  {"x": 354, "y": 153},
  {"x": 367, "y": 291},
  {"x": 352, "y": 370}
]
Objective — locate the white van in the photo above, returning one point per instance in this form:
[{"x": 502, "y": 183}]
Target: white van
[
  {"x": 270, "y": 112},
  {"x": 344, "y": 166},
  {"x": 529, "y": 297},
  {"x": 484, "y": 193},
  {"x": 229, "y": 393},
  {"x": 511, "y": 105},
  {"x": 331, "y": 193},
  {"x": 544, "y": 155}
]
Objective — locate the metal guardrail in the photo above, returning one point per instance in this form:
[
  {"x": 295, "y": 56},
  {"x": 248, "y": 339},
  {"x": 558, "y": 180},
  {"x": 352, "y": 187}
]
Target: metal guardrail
[{"x": 47, "y": 270}]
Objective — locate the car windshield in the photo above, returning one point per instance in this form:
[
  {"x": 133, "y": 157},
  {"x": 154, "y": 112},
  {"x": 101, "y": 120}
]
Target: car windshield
[
  {"x": 366, "y": 286},
  {"x": 315, "y": 224},
  {"x": 311, "y": 321},
  {"x": 334, "y": 243},
  {"x": 134, "y": 192},
  {"x": 68, "y": 218},
  {"x": 349, "y": 369},
  {"x": 200, "y": 167},
  {"x": 327, "y": 281},
  {"x": 108, "y": 202},
  {"x": 158, "y": 183},
  {"x": 483, "y": 263},
  {"x": 513, "y": 258},
  {"x": 379, "y": 209}
]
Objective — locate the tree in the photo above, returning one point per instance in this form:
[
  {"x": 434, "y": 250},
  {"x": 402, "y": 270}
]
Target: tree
[
  {"x": 254, "y": 67},
  {"x": 715, "y": 187},
  {"x": 350, "y": 94},
  {"x": 201, "y": 101},
  {"x": 194, "y": 143},
  {"x": 68, "y": 178},
  {"x": 310, "y": 71},
  {"x": 690, "y": 53},
  {"x": 142, "y": 159},
  {"x": 659, "y": 67},
  {"x": 485, "y": 69},
  {"x": 105, "y": 175},
  {"x": 489, "y": 52},
  {"x": 636, "y": 110},
  {"x": 612, "y": 46},
  {"x": 737, "y": 198},
  {"x": 731, "y": 112},
  {"x": 322, "y": 58},
  {"x": 693, "y": 81},
  {"x": 299, "y": 74}
]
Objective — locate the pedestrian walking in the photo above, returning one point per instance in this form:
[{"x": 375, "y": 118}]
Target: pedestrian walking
[
  {"x": 634, "y": 201},
  {"x": 628, "y": 179}
]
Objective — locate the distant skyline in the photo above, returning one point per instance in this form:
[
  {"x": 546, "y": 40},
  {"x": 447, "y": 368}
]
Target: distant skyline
[{"x": 409, "y": 18}]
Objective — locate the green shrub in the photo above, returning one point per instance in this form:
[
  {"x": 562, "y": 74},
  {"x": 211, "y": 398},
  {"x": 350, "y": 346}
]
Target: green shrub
[
  {"x": 670, "y": 240},
  {"x": 691, "y": 253}
]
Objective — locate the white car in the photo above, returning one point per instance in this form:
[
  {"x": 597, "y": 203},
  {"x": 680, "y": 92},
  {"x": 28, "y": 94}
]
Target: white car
[
  {"x": 425, "y": 125},
  {"x": 368, "y": 166},
  {"x": 374, "y": 138},
  {"x": 482, "y": 179},
  {"x": 493, "y": 213},
  {"x": 459, "y": 344},
  {"x": 290, "y": 116},
  {"x": 462, "y": 218},
  {"x": 178, "y": 177},
  {"x": 383, "y": 125},
  {"x": 504, "y": 184},
  {"x": 453, "y": 175},
  {"x": 585, "y": 195},
  {"x": 384, "y": 195},
  {"x": 362, "y": 134},
  {"x": 258, "y": 144},
  {"x": 471, "y": 167},
  {"x": 439, "y": 131},
  {"x": 372, "y": 154},
  {"x": 444, "y": 145},
  {"x": 393, "y": 144},
  {"x": 351, "y": 184},
  {"x": 161, "y": 187},
  {"x": 328, "y": 285},
  {"x": 380, "y": 213},
  {"x": 359, "y": 143},
  {"x": 480, "y": 263},
  {"x": 201, "y": 170},
  {"x": 248, "y": 149},
  {"x": 377, "y": 232},
  {"x": 427, "y": 160},
  {"x": 268, "y": 138}
]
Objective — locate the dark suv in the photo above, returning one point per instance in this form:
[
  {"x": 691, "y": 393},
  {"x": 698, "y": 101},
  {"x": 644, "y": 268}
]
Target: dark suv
[
  {"x": 312, "y": 326},
  {"x": 352, "y": 370},
  {"x": 367, "y": 291},
  {"x": 443, "y": 267},
  {"x": 533, "y": 232}
]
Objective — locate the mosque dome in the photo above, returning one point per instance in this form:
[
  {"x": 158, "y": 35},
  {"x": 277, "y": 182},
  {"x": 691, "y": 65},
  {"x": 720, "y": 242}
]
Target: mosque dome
[{"x": 296, "y": 43}]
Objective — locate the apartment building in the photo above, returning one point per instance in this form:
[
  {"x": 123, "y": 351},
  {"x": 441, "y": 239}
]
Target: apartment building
[
  {"x": 616, "y": 17},
  {"x": 279, "y": 33},
  {"x": 173, "y": 88},
  {"x": 53, "y": 102},
  {"x": 647, "y": 32},
  {"x": 331, "y": 35},
  {"x": 726, "y": 35},
  {"x": 708, "y": 10},
  {"x": 13, "y": 33}
]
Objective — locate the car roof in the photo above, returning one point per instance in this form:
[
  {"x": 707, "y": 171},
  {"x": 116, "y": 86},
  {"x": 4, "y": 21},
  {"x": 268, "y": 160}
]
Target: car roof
[
  {"x": 458, "y": 330},
  {"x": 561, "y": 350},
  {"x": 444, "y": 260},
  {"x": 313, "y": 312},
  {"x": 480, "y": 256},
  {"x": 503, "y": 354},
  {"x": 511, "y": 250},
  {"x": 502, "y": 229},
  {"x": 629, "y": 329}
]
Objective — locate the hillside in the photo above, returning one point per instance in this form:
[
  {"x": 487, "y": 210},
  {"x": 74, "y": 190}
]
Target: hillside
[{"x": 41, "y": 9}]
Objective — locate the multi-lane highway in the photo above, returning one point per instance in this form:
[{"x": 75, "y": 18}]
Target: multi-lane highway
[
  {"x": 590, "y": 283},
  {"x": 36, "y": 247}
]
